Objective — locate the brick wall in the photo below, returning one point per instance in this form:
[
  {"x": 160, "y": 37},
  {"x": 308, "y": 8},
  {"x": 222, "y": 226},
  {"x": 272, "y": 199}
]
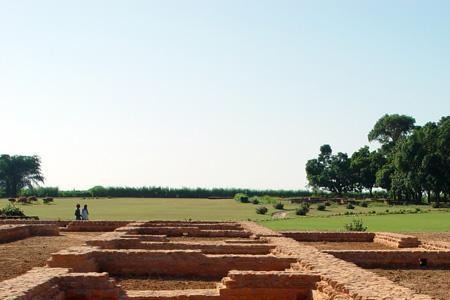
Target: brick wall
[
  {"x": 163, "y": 262},
  {"x": 394, "y": 258},
  {"x": 315, "y": 236},
  {"x": 10, "y": 233}
]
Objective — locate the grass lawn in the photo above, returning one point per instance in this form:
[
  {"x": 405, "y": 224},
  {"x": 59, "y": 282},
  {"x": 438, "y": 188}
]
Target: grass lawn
[
  {"x": 228, "y": 209},
  {"x": 431, "y": 221},
  {"x": 144, "y": 209}
]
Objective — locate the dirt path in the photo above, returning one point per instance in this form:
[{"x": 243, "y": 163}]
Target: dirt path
[
  {"x": 20, "y": 256},
  {"x": 279, "y": 215},
  {"x": 432, "y": 236},
  {"x": 435, "y": 283},
  {"x": 347, "y": 246},
  {"x": 166, "y": 283}
]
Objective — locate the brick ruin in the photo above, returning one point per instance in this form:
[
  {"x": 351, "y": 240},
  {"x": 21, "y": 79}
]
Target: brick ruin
[{"x": 243, "y": 261}]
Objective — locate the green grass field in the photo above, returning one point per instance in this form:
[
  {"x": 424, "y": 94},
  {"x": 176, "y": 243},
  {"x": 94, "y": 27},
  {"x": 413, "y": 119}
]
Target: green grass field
[
  {"x": 228, "y": 209},
  {"x": 431, "y": 221},
  {"x": 144, "y": 209}
]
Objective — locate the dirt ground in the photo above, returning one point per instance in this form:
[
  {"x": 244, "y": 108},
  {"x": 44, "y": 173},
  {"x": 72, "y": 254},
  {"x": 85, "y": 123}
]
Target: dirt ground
[
  {"x": 199, "y": 239},
  {"x": 20, "y": 256},
  {"x": 166, "y": 283},
  {"x": 347, "y": 246},
  {"x": 435, "y": 283},
  {"x": 432, "y": 236}
]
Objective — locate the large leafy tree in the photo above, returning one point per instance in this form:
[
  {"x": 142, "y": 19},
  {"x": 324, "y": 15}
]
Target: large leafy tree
[
  {"x": 390, "y": 128},
  {"x": 17, "y": 172},
  {"x": 330, "y": 172},
  {"x": 365, "y": 165}
]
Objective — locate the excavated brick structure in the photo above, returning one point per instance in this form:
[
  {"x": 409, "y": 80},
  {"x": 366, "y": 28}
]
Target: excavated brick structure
[
  {"x": 255, "y": 263},
  {"x": 340, "y": 279},
  {"x": 10, "y": 233}
]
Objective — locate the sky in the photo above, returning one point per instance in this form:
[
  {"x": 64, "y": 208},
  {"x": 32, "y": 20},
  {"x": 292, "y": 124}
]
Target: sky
[{"x": 211, "y": 93}]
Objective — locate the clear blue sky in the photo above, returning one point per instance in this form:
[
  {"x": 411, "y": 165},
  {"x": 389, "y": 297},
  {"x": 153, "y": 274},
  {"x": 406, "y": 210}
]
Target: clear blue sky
[{"x": 211, "y": 93}]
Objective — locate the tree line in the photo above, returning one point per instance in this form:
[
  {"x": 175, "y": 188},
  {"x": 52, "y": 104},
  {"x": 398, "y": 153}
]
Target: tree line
[
  {"x": 160, "y": 192},
  {"x": 21, "y": 175},
  {"x": 412, "y": 163}
]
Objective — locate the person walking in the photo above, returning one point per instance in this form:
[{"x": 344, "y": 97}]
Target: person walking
[
  {"x": 85, "y": 213},
  {"x": 78, "y": 213}
]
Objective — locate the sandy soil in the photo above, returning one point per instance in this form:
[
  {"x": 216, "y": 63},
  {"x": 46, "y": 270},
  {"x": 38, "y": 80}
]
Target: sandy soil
[
  {"x": 195, "y": 239},
  {"x": 347, "y": 246},
  {"x": 435, "y": 283},
  {"x": 166, "y": 283},
  {"x": 432, "y": 236},
  {"x": 20, "y": 256}
]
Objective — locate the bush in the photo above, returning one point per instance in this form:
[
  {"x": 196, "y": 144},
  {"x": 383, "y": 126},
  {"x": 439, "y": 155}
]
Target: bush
[
  {"x": 327, "y": 203},
  {"x": 364, "y": 204},
  {"x": 321, "y": 207},
  {"x": 435, "y": 205},
  {"x": 278, "y": 205},
  {"x": 240, "y": 197},
  {"x": 302, "y": 210},
  {"x": 356, "y": 225},
  {"x": 255, "y": 200},
  {"x": 350, "y": 206},
  {"x": 12, "y": 211},
  {"x": 418, "y": 210},
  {"x": 47, "y": 200},
  {"x": 262, "y": 210}
]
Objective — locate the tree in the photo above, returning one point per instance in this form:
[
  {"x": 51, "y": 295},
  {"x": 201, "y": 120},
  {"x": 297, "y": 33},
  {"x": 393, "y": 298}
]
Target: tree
[
  {"x": 390, "y": 128},
  {"x": 331, "y": 172},
  {"x": 365, "y": 165},
  {"x": 17, "y": 172}
]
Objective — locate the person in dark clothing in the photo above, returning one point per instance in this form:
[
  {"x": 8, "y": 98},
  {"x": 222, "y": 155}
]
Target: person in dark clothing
[{"x": 78, "y": 213}]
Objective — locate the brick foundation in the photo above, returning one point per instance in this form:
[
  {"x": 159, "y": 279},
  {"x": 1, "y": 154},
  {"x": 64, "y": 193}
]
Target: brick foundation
[{"x": 10, "y": 233}]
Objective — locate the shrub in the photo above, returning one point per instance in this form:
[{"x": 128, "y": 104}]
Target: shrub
[
  {"x": 327, "y": 203},
  {"x": 262, "y": 210},
  {"x": 306, "y": 204},
  {"x": 321, "y": 207},
  {"x": 356, "y": 225},
  {"x": 240, "y": 197},
  {"x": 435, "y": 205},
  {"x": 278, "y": 205},
  {"x": 302, "y": 210},
  {"x": 12, "y": 211},
  {"x": 255, "y": 200},
  {"x": 47, "y": 200},
  {"x": 350, "y": 206},
  {"x": 364, "y": 204},
  {"x": 418, "y": 210}
]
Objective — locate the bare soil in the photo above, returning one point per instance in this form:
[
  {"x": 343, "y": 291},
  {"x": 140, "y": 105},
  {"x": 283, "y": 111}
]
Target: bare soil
[
  {"x": 165, "y": 283},
  {"x": 199, "y": 239},
  {"x": 435, "y": 283},
  {"x": 432, "y": 236},
  {"x": 21, "y": 256},
  {"x": 347, "y": 246}
]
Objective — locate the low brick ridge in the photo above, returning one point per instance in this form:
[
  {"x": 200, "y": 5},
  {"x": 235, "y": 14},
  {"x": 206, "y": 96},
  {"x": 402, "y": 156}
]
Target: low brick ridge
[
  {"x": 401, "y": 258},
  {"x": 173, "y": 294},
  {"x": 343, "y": 277},
  {"x": 435, "y": 245},
  {"x": 33, "y": 282},
  {"x": 258, "y": 230},
  {"x": 329, "y": 236}
]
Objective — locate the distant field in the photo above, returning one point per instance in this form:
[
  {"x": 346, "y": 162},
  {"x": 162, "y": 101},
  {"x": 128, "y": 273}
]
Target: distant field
[
  {"x": 434, "y": 221},
  {"x": 228, "y": 209},
  {"x": 144, "y": 209}
]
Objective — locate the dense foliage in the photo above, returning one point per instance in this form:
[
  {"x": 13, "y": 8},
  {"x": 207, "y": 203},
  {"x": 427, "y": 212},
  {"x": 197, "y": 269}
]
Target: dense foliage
[
  {"x": 18, "y": 172},
  {"x": 412, "y": 162},
  {"x": 160, "y": 192},
  {"x": 11, "y": 211}
]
